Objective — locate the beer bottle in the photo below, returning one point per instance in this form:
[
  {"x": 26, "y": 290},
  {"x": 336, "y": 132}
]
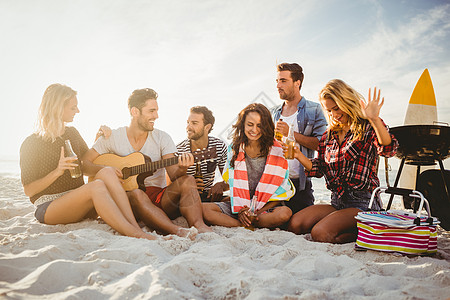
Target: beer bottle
[
  {"x": 290, "y": 143},
  {"x": 68, "y": 152},
  {"x": 279, "y": 135},
  {"x": 198, "y": 174}
]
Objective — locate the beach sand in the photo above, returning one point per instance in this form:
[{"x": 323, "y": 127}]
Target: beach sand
[{"x": 89, "y": 260}]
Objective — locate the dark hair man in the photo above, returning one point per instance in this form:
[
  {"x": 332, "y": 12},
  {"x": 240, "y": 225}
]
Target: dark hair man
[
  {"x": 309, "y": 125},
  {"x": 199, "y": 124}
]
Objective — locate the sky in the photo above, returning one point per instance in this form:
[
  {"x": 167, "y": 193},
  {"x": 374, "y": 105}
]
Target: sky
[{"x": 221, "y": 54}]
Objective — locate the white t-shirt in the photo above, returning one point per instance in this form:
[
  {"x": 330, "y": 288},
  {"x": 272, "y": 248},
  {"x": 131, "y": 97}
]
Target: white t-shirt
[
  {"x": 294, "y": 164},
  {"x": 158, "y": 144}
]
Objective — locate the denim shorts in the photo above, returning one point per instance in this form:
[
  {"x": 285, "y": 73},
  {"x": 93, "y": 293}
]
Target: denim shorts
[
  {"x": 42, "y": 203},
  {"x": 354, "y": 199},
  {"x": 225, "y": 207}
]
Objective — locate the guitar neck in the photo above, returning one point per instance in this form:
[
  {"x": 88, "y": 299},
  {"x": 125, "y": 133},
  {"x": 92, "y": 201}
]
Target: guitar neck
[{"x": 153, "y": 166}]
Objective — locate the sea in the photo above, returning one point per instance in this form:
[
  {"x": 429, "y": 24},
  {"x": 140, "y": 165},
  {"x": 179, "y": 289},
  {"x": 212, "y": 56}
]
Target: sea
[
  {"x": 9, "y": 167},
  {"x": 10, "y": 172}
]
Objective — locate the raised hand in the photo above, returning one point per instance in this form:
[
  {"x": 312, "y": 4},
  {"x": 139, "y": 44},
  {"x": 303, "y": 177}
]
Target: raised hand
[
  {"x": 371, "y": 109},
  {"x": 65, "y": 163}
]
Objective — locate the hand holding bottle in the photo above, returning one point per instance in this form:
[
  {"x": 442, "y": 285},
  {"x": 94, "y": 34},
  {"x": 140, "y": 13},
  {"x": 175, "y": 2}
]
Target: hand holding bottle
[
  {"x": 278, "y": 134},
  {"x": 75, "y": 170},
  {"x": 282, "y": 127},
  {"x": 66, "y": 163}
]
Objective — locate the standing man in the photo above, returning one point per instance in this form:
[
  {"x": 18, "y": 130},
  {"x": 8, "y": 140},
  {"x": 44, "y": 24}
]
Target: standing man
[
  {"x": 199, "y": 124},
  {"x": 158, "y": 203},
  {"x": 309, "y": 124}
]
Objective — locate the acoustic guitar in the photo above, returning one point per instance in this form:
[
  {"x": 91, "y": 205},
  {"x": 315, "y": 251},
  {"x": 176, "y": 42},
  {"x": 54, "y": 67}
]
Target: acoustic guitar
[{"x": 137, "y": 166}]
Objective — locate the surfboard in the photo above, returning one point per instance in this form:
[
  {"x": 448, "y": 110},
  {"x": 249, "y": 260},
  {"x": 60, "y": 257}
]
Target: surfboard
[{"x": 422, "y": 110}]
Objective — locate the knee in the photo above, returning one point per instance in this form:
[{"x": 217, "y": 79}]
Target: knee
[
  {"x": 285, "y": 213},
  {"x": 298, "y": 225},
  {"x": 186, "y": 182},
  {"x": 105, "y": 172},
  {"x": 323, "y": 234},
  {"x": 98, "y": 185}
]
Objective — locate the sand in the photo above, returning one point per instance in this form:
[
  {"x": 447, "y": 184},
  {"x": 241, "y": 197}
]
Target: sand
[{"x": 89, "y": 260}]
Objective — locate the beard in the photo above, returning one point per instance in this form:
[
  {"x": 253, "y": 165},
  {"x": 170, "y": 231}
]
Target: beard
[
  {"x": 284, "y": 95},
  {"x": 144, "y": 125},
  {"x": 195, "y": 136}
]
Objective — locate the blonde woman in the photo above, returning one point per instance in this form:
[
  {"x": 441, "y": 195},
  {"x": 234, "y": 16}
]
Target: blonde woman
[
  {"x": 347, "y": 157},
  {"x": 59, "y": 198}
]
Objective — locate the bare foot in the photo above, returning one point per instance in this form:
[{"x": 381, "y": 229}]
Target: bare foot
[
  {"x": 190, "y": 233},
  {"x": 204, "y": 228},
  {"x": 148, "y": 236}
]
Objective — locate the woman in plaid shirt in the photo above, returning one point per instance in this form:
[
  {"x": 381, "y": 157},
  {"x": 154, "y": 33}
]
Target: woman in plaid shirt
[{"x": 347, "y": 157}]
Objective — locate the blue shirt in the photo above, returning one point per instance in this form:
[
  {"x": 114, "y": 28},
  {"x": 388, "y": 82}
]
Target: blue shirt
[{"x": 311, "y": 122}]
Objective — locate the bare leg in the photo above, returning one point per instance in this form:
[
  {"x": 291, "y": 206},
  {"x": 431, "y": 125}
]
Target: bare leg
[
  {"x": 154, "y": 217},
  {"x": 74, "y": 206},
  {"x": 109, "y": 177},
  {"x": 304, "y": 220},
  {"x": 181, "y": 197},
  {"x": 279, "y": 216},
  {"x": 214, "y": 216},
  {"x": 338, "y": 227}
]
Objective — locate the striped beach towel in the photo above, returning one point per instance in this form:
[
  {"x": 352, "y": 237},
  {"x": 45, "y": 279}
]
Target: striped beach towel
[
  {"x": 392, "y": 232},
  {"x": 274, "y": 184}
]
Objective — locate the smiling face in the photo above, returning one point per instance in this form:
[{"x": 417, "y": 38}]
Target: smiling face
[
  {"x": 195, "y": 127},
  {"x": 252, "y": 126},
  {"x": 147, "y": 115},
  {"x": 334, "y": 112},
  {"x": 70, "y": 109},
  {"x": 286, "y": 86}
]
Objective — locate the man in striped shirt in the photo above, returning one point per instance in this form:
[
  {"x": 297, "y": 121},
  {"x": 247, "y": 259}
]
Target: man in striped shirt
[{"x": 199, "y": 124}]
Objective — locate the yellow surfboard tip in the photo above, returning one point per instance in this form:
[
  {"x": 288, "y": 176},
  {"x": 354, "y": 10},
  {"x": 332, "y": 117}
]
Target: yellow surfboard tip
[{"x": 423, "y": 92}]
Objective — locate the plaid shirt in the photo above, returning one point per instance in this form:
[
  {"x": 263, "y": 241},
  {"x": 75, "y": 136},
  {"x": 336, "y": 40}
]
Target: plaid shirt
[{"x": 351, "y": 165}]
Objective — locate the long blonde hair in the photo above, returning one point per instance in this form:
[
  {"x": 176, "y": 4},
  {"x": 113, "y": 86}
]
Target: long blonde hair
[
  {"x": 347, "y": 99},
  {"x": 50, "y": 124}
]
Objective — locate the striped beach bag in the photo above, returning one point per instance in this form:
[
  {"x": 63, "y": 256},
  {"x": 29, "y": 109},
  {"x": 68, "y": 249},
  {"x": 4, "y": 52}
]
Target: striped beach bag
[{"x": 397, "y": 231}]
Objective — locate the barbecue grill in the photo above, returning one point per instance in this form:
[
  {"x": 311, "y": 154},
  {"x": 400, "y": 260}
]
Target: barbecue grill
[{"x": 421, "y": 145}]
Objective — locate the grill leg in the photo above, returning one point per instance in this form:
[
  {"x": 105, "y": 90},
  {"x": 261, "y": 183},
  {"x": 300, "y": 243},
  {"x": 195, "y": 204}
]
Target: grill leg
[
  {"x": 396, "y": 183},
  {"x": 441, "y": 165},
  {"x": 415, "y": 199}
]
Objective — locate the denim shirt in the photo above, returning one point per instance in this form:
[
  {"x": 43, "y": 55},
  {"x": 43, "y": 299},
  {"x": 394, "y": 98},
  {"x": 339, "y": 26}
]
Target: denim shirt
[{"x": 311, "y": 122}]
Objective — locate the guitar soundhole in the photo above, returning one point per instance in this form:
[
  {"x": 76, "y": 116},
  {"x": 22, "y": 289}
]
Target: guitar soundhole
[{"x": 126, "y": 172}]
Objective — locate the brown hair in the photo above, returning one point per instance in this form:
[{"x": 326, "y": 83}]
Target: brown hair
[
  {"x": 267, "y": 130},
  {"x": 295, "y": 69},
  {"x": 139, "y": 97},
  {"x": 208, "y": 117}
]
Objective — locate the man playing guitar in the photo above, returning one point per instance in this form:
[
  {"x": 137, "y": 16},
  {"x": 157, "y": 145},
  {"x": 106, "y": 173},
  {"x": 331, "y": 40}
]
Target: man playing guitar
[{"x": 158, "y": 204}]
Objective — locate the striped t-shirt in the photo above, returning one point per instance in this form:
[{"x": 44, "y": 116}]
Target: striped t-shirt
[{"x": 208, "y": 166}]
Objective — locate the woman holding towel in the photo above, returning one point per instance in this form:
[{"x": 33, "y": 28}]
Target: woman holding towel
[{"x": 257, "y": 174}]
